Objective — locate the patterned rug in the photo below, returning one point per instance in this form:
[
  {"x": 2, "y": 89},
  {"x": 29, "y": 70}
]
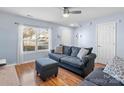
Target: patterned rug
[{"x": 8, "y": 76}]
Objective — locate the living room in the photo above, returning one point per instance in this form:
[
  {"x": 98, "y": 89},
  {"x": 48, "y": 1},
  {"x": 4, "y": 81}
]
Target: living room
[{"x": 36, "y": 47}]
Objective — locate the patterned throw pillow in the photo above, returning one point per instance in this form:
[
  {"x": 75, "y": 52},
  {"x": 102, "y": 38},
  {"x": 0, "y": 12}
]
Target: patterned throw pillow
[
  {"x": 59, "y": 50},
  {"x": 116, "y": 69}
]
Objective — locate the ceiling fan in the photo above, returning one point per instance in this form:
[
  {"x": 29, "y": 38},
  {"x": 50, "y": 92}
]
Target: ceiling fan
[{"x": 67, "y": 12}]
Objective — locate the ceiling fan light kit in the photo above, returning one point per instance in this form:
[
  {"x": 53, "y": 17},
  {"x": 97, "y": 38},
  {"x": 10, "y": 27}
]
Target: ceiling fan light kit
[
  {"x": 65, "y": 15},
  {"x": 67, "y": 12}
]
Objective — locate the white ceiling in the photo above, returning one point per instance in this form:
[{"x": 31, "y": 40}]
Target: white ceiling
[{"x": 54, "y": 14}]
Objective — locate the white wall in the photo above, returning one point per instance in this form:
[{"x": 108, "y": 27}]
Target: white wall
[
  {"x": 88, "y": 33},
  {"x": 66, "y": 36},
  {"x": 61, "y": 35}
]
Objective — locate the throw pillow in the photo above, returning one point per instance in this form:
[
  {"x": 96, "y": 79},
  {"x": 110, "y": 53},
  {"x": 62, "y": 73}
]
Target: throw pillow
[
  {"x": 83, "y": 52},
  {"x": 75, "y": 51},
  {"x": 59, "y": 50},
  {"x": 116, "y": 69},
  {"x": 67, "y": 50},
  {"x": 90, "y": 50}
]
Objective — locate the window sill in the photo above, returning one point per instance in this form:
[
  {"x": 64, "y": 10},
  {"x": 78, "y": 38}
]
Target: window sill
[
  {"x": 38, "y": 51},
  {"x": 45, "y": 50}
]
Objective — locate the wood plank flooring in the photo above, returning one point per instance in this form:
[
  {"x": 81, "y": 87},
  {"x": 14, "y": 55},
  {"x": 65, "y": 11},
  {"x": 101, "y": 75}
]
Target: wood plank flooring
[{"x": 27, "y": 76}]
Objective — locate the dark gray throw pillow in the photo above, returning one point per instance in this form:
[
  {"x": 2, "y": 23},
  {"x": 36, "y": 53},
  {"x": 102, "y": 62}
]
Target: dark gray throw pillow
[
  {"x": 67, "y": 50},
  {"x": 90, "y": 50},
  {"x": 75, "y": 51}
]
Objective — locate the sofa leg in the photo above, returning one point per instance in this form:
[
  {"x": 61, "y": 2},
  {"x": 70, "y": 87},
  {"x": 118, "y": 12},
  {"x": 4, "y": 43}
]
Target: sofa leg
[
  {"x": 82, "y": 75},
  {"x": 43, "y": 78},
  {"x": 92, "y": 69},
  {"x": 56, "y": 75},
  {"x": 37, "y": 72}
]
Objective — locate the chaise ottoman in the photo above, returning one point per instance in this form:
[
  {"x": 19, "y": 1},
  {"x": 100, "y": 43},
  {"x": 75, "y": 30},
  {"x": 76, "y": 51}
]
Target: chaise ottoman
[{"x": 46, "y": 67}]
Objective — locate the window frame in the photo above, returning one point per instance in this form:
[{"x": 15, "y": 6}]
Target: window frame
[{"x": 36, "y": 41}]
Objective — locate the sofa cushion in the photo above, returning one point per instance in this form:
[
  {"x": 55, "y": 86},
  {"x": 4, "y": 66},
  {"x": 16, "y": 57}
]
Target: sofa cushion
[
  {"x": 75, "y": 51},
  {"x": 67, "y": 50},
  {"x": 74, "y": 61},
  {"x": 56, "y": 56},
  {"x": 98, "y": 77}
]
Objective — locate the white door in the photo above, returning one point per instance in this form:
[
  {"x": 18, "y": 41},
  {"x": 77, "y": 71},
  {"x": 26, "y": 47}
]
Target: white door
[{"x": 106, "y": 42}]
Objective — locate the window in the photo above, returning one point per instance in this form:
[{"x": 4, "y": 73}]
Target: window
[
  {"x": 42, "y": 40},
  {"x": 35, "y": 39}
]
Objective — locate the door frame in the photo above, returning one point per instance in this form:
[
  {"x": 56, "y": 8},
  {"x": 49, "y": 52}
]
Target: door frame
[{"x": 115, "y": 50}]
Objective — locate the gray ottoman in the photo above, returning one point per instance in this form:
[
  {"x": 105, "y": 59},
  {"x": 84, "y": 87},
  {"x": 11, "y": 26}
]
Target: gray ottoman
[{"x": 46, "y": 67}]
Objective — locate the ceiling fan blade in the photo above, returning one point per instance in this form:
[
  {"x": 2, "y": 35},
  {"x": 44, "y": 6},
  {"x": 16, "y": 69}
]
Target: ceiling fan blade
[
  {"x": 65, "y": 7},
  {"x": 75, "y": 12}
]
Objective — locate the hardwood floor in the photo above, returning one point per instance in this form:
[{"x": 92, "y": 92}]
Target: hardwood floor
[
  {"x": 27, "y": 76},
  {"x": 98, "y": 65}
]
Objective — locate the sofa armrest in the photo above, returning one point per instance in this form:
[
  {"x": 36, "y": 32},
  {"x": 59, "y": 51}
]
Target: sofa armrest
[
  {"x": 90, "y": 56},
  {"x": 88, "y": 59},
  {"x": 88, "y": 63}
]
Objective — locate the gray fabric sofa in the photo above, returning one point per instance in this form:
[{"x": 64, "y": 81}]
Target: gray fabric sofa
[
  {"x": 99, "y": 78},
  {"x": 70, "y": 61}
]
